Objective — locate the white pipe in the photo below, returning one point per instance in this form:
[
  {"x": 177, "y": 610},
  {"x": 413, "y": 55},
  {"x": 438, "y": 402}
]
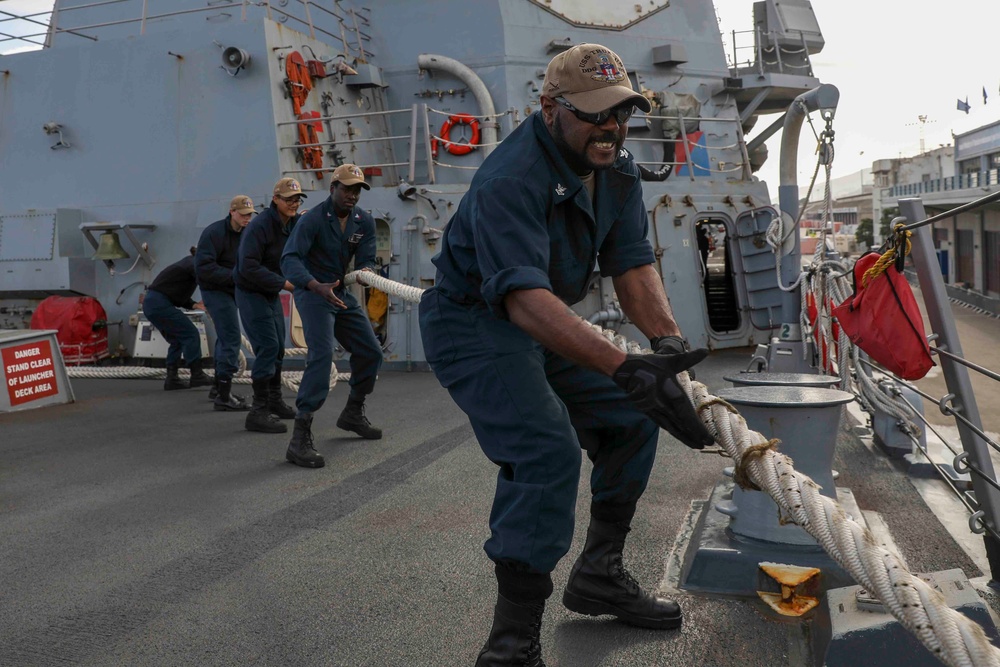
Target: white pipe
[{"x": 469, "y": 78}]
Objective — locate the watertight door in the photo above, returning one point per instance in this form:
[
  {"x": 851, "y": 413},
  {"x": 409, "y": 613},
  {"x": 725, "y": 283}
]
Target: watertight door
[{"x": 758, "y": 272}]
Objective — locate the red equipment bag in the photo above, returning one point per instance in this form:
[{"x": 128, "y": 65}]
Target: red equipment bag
[
  {"x": 882, "y": 318},
  {"x": 81, "y": 327}
]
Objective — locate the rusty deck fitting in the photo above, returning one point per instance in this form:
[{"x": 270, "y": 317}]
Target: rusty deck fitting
[{"x": 799, "y": 588}]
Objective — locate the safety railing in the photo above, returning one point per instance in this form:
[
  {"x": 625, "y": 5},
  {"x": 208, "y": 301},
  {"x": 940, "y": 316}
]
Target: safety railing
[
  {"x": 769, "y": 56},
  {"x": 973, "y": 456},
  {"x": 387, "y": 139},
  {"x": 682, "y": 141},
  {"x": 976, "y": 179},
  {"x": 433, "y": 139},
  {"x": 348, "y": 25}
]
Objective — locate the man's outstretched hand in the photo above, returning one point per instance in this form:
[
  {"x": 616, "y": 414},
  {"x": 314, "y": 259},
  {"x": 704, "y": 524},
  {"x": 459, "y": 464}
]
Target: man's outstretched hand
[{"x": 650, "y": 380}]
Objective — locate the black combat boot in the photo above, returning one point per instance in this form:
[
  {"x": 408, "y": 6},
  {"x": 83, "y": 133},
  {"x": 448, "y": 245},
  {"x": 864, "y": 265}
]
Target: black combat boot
[
  {"x": 226, "y": 400},
  {"x": 213, "y": 393},
  {"x": 353, "y": 419},
  {"x": 300, "y": 449},
  {"x": 600, "y": 584},
  {"x": 199, "y": 378},
  {"x": 515, "y": 638},
  {"x": 173, "y": 381},
  {"x": 275, "y": 403},
  {"x": 259, "y": 418}
]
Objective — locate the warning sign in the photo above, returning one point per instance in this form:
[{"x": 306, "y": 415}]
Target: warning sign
[{"x": 30, "y": 371}]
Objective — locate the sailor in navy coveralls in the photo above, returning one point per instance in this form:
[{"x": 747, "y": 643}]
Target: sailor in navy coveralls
[
  {"x": 316, "y": 259},
  {"x": 170, "y": 292},
  {"x": 557, "y": 197},
  {"x": 258, "y": 285},
  {"x": 214, "y": 262}
]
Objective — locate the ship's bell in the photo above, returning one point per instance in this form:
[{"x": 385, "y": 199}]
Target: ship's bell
[{"x": 109, "y": 247}]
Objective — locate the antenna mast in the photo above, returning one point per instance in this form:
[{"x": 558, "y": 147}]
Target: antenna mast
[{"x": 922, "y": 120}]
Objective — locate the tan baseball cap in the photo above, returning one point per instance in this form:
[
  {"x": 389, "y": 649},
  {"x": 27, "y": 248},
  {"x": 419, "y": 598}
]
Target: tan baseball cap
[
  {"x": 242, "y": 204},
  {"x": 288, "y": 187},
  {"x": 592, "y": 78},
  {"x": 350, "y": 174}
]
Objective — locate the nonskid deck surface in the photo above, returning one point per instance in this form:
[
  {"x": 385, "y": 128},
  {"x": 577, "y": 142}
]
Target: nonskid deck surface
[{"x": 142, "y": 527}]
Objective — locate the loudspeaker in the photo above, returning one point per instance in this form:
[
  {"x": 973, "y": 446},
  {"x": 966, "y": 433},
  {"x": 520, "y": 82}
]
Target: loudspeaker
[{"x": 235, "y": 58}]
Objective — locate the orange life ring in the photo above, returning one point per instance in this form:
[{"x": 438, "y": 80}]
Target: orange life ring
[{"x": 445, "y": 134}]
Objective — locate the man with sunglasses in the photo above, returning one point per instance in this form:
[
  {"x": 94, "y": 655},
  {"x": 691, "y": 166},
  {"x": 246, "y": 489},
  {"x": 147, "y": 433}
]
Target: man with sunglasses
[
  {"x": 258, "y": 284},
  {"x": 214, "y": 262},
  {"x": 538, "y": 383},
  {"x": 316, "y": 259}
]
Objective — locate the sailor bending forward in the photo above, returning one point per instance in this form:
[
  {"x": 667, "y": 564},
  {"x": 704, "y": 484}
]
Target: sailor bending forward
[{"x": 537, "y": 382}]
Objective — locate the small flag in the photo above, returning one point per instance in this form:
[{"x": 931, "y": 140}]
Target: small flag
[
  {"x": 984, "y": 94},
  {"x": 964, "y": 106}
]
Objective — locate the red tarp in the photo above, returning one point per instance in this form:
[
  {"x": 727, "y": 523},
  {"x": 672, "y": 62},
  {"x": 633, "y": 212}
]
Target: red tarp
[{"x": 73, "y": 318}]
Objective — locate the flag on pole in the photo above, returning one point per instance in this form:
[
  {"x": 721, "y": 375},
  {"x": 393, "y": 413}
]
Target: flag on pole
[
  {"x": 964, "y": 106},
  {"x": 984, "y": 94}
]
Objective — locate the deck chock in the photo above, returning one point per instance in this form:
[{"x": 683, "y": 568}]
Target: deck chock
[
  {"x": 888, "y": 434},
  {"x": 851, "y": 622},
  {"x": 799, "y": 588}
]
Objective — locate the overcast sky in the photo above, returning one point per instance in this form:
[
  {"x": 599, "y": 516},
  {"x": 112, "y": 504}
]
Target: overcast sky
[{"x": 892, "y": 61}]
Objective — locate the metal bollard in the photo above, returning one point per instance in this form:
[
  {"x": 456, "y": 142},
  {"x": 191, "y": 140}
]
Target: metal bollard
[
  {"x": 770, "y": 379},
  {"x": 806, "y": 421}
]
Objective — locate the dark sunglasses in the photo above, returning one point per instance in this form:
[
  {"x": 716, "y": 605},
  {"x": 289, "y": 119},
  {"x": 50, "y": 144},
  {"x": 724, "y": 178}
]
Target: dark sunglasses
[{"x": 622, "y": 113}]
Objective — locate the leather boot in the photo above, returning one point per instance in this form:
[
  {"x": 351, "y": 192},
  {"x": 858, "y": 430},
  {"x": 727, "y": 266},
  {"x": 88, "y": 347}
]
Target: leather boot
[
  {"x": 213, "y": 393},
  {"x": 353, "y": 419},
  {"x": 515, "y": 636},
  {"x": 300, "y": 449},
  {"x": 275, "y": 403},
  {"x": 600, "y": 584},
  {"x": 173, "y": 381},
  {"x": 226, "y": 400},
  {"x": 198, "y": 377},
  {"x": 259, "y": 418}
]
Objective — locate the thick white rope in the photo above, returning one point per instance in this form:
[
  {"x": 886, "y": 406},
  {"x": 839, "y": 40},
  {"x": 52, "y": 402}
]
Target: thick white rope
[{"x": 952, "y": 637}]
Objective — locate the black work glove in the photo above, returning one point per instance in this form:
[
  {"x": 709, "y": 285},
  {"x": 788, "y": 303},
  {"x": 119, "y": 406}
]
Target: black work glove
[
  {"x": 671, "y": 345},
  {"x": 650, "y": 380}
]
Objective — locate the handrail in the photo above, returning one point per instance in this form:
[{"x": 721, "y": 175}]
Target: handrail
[
  {"x": 145, "y": 18},
  {"x": 964, "y": 406}
]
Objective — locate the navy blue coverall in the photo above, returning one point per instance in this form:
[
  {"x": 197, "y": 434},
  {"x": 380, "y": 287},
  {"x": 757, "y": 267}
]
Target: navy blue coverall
[
  {"x": 527, "y": 222},
  {"x": 317, "y": 249},
  {"x": 258, "y": 284},
  {"x": 214, "y": 262},
  {"x": 171, "y": 290}
]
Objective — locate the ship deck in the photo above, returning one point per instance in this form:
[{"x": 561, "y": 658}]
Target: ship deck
[{"x": 140, "y": 527}]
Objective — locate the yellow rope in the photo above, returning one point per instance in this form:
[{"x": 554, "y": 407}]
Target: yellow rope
[{"x": 902, "y": 240}]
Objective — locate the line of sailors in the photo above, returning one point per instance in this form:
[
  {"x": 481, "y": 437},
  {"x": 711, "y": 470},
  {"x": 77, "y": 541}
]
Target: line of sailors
[{"x": 242, "y": 263}]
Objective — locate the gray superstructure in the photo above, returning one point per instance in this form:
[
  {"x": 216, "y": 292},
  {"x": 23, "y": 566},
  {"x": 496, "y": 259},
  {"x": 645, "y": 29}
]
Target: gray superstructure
[{"x": 147, "y": 117}]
